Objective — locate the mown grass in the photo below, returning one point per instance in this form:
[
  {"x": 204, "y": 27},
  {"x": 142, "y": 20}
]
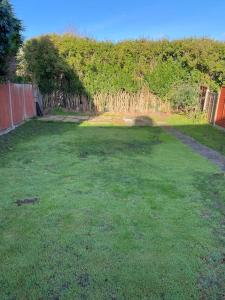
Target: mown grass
[
  {"x": 201, "y": 131},
  {"x": 123, "y": 213}
]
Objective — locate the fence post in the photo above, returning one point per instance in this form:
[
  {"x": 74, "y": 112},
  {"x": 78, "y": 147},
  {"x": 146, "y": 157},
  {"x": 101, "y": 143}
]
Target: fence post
[
  {"x": 206, "y": 100},
  {"x": 10, "y": 106},
  {"x": 24, "y": 104},
  {"x": 216, "y": 109},
  {"x": 24, "y": 108}
]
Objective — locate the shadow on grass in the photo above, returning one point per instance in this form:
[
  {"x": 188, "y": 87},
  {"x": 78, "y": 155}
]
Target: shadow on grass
[
  {"x": 33, "y": 132},
  {"x": 202, "y": 133},
  {"x": 102, "y": 142}
]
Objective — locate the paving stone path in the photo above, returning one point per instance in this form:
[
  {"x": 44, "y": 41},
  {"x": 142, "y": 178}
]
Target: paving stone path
[
  {"x": 117, "y": 119},
  {"x": 212, "y": 155}
]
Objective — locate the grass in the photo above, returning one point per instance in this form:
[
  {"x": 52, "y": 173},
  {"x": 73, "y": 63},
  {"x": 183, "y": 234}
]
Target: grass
[
  {"x": 123, "y": 213},
  {"x": 201, "y": 131}
]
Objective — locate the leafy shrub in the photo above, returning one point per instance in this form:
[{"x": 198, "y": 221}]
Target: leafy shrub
[
  {"x": 45, "y": 67},
  {"x": 163, "y": 77},
  {"x": 185, "y": 98}
]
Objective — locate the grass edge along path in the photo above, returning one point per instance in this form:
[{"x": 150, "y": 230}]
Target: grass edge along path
[{"x": 200, "y": 130}]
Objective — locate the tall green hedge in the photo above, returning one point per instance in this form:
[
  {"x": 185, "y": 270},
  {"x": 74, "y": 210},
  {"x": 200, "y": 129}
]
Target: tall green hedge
[{"x": 77, "y": 64}]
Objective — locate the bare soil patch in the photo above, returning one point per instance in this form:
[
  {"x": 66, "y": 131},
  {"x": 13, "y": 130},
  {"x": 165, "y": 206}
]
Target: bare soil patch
[{"x": 27, "y": 201}]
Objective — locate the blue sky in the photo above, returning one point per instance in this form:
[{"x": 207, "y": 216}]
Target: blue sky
[{"x": 124, "y": 19}]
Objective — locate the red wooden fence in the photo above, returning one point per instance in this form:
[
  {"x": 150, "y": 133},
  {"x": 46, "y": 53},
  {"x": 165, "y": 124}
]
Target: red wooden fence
[
  {"x": 17, "y": 104},
  {"x": 220, "y": 116}
]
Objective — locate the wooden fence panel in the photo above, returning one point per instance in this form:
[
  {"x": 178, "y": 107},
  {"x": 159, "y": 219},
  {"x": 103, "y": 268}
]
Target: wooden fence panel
[
  {"x": 143, "y": 101},
  {"x": 30, "y": 109},
  {"x": 17, "y": 103},
  {"x": 220, "y": 117},
  {"x": 5, "y": 111}
]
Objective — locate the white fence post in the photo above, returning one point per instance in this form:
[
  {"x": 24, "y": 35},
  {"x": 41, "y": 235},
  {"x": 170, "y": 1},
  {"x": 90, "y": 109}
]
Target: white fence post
[{"x": 206, "y": 101}]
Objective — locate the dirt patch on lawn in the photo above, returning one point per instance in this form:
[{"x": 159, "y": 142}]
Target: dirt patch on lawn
[{"x": 27, "y": 201}]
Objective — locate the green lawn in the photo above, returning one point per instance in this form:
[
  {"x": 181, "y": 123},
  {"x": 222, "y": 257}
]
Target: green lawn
[
  {"x": 123, "y": 213},
  {"x": 201, "y": 131}
]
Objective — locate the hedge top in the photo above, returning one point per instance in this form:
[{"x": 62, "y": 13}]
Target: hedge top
[{"x": 75, "y": 64}]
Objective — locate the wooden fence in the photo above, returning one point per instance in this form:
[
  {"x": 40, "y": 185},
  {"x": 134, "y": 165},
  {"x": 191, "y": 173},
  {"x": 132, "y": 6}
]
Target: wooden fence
[
  {"x": 209, "y": 105},
  {"x": 17, "y": 103},
  {"x": 220, "y": 112},
  {"x": 143, "y": 101},
  {"x": 214, "y": 107}
]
